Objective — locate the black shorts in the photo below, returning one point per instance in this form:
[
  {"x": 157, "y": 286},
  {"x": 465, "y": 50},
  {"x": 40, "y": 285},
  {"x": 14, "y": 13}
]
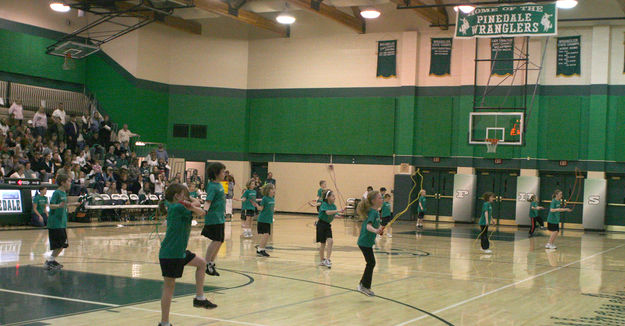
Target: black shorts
[
  {"x": 248, "y": 213},
  {"x": 421, "y": 215},
  {"x": 555, "y": 227},
  {"x": 386, "y": 219},
  {"x": 215, "y": 232},
  {"x": 324, "y": 231},
  {"x": 58, "y": 238},
  {"x": 263, "y": 228},
  {"x": 173, "y": 267}
]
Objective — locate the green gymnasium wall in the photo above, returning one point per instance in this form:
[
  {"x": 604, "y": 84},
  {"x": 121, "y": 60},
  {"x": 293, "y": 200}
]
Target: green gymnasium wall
[{"x": 567, "y": 122}]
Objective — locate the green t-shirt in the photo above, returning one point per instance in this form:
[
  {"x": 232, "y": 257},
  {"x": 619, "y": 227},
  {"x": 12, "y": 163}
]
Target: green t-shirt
[
  {"x": 386, "y": 209},
  {"x": 366, "y": 238},
  {"x": 322, "y": 212},
  {"x": 58, "y": 216},
  {"x": 41, "y": 202},
  {"x": 178, "y": 230},
  {"x": 266, "y": 215},
  {"x": 533, "y": 212},
  {"x": 422, "y": 201},
  {"x": 193, "y": 194},
  {"x": 217, "y": 211},
  {"x": 248, "y": 197},
  {"x": 319, "y": 194},
  {"x": 487, "y": 207},
  {"x": 554, "y": 217}
]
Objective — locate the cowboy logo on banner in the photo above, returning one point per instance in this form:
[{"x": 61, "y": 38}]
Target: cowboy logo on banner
[{"x": 508, "y": 20}]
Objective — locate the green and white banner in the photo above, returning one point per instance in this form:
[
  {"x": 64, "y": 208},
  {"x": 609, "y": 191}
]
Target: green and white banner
[
  {"x": 465, "y": 186},
  {"x": 502, "y": 53},
  {"x": 569, "y": 56},
  {"x": 387, "y": 59},
  {"x": 508, "y": 20},
  {"x": 595, "y": 192},
  {"x": 440, "y": 60},
  {"x": 526, "y": 187}
]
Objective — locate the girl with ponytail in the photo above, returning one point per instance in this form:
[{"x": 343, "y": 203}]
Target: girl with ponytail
[{"x": 368, "y": 211}]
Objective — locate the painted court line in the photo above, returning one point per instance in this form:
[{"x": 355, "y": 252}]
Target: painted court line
[
  {"x": 120, "y": 306},
  {"x": 508, "y": 286}
]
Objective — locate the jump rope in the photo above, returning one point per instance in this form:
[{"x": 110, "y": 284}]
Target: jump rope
[{"x": 418, "y": 172}]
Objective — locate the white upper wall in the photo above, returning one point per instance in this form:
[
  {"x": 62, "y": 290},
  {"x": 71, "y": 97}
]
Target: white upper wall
[{"x": 316, "y": 55}]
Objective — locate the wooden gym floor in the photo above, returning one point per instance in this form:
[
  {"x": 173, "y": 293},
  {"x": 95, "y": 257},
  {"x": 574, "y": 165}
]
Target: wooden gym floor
[{"x": 437, "y": 276}]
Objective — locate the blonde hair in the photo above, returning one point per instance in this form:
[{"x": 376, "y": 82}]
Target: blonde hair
[
  {"x": 266, "y": 189},
  {"x": 365, "y": 205},
  {"x": 249, "y": 183}
]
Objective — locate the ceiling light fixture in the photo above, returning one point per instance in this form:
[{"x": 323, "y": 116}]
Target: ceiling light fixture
[
  {"x": 464, "y": 8},
  {"x": 285, "y": 19},
  {"x": 59, "y": 6},
  {"x": 566, "y": 4},
  {"x": 370, "y": 13}
]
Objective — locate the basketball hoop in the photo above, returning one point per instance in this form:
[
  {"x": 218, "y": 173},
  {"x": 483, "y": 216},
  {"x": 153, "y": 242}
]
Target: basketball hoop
[
  {"x": 491, "y": 145},
  {"x": 69, "y": 64}
]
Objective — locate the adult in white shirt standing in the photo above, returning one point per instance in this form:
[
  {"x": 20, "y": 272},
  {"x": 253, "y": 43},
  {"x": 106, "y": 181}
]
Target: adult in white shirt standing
[
  {"x": 60, "y": 113},
  {"x": 40, "y": 122},
  {"x": 17, "y": 111},
  {"x": 124, "y": 134}
]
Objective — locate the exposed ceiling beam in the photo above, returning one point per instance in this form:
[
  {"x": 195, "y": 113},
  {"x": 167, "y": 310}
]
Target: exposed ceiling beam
[
  {"x": 621, "y": 3},
  {"x": 432, "y": 16},
  {"x": 248, "y": 17},
  {"x": 322, "y": 9},
  {"x": 171, "y": 21},
  {"x": 445, "y": 16}
]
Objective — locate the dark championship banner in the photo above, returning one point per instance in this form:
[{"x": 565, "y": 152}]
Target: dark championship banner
[
  {"x": 508, "y": 20},
  {"x": 502, "y": 51},
  {"x": 387, "y": 59},
  {"x": 440, "y": 61},
  {"x": 569, "y": 61}
]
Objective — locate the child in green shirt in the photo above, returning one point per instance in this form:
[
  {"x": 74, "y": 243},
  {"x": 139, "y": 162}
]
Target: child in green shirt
[
  {"x": 248, "y": 200},
  {"x": 173, "y": 255},
  {"x": 386, "y": 214},
  {"x": 322, "y": 187},
  {"x": 327, "y": 211},
  {"x": 553, "y": 220},
  {"x": 534, "y": 215},
  {"x": 57, "y": 221},
  {"x": 40, "y": 203},
  {"x": 265, "y": 218},
  {"x": 486, "y": 219},
  {"x": 368, "y": 211},
  {"x": 421, "y": 207},
  {"x": 215, "y": 218}
]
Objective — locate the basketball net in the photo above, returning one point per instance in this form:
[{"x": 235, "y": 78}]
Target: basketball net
[
  {"x": 491, "y": 145},
  {"x": 69, "y": 64}
]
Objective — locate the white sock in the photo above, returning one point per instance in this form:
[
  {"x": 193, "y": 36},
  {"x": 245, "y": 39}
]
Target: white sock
[
  {"x": 260, "y": 249},
  {"x": 202, "y": 298},
  {"x": 50, "y": 258}
]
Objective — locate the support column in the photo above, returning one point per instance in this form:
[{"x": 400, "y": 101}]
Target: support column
[
  {"x": 405, "y": 103},
  {"x": 465, "y": 186},
  {"x": 595, "y": 201},
  {"x": 528, "y": 185}
]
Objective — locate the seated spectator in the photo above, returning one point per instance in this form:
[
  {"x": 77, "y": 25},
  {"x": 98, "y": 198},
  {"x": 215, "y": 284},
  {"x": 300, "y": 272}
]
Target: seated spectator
[
  {"x": 195, "y": 178},
  {"x": 28, "y": 171},
  {"x": 39, "y": 213},
  {"x": 163, "y": 166},
  {"x": 19, "y": 172},
  {"x": 151, "y": 159},
  {"x": 145, "y": 171},
  {"x": 110, "y": 159}
]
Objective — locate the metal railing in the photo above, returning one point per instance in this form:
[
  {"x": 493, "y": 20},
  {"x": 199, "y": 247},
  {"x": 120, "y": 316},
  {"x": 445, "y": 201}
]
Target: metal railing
[{"x": 32, "y": 96}]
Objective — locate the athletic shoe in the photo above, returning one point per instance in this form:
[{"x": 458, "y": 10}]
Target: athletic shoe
[
  {"x": 170, "y": 324},
  {"x": 487, "y": 251},
  {"x": 262, "y": 253},
  {"x": 48, "y": 265},
  {"x": 365, "y": 291},
  {"x": 210, "y": 270},
  {"x": 203, "y": 304},
  {"x": 389, "y": 235},
  {"x": 56, "y": 264},
  {"x": 543, "y": 228},
  {"x": 327, "y": 263},
  {"x": 548, "y": 245},
  {"x": 553, "y": 246}
]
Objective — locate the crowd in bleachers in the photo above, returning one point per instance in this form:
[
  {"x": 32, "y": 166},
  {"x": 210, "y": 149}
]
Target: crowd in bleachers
[{"x": 86, "y": 148}]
